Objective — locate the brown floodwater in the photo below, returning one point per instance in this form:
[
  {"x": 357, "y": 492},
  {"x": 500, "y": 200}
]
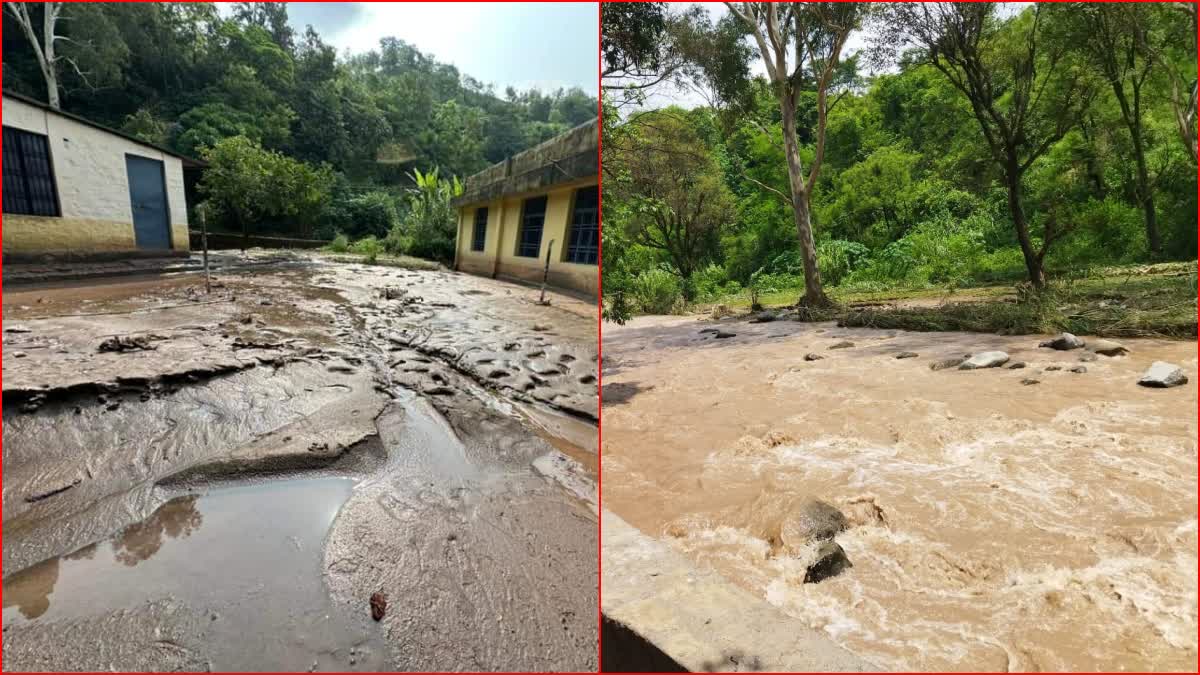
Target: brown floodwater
[{"x": 995, "y": 525}]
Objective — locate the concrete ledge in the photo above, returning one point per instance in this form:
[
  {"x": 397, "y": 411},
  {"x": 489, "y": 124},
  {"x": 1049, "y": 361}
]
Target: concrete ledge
[{"x": 696, "y": 619}]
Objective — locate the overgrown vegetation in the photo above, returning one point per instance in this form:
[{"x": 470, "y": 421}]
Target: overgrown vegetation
[
  {"x": 917, "y": 191},
  {"x": 284, "y": 116}
]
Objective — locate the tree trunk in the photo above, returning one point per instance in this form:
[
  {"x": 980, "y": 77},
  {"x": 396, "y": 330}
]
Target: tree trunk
[
  {"x": 48, "y": 63},
  {"x": 1146, "y": 198},
  {"x": 1132, "y": 115},
  {"x": 1033, "y": 262},
  {"x": 814, "y": 294}
]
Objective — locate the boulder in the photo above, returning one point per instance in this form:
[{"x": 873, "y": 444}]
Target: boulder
[
  {"x": 844, "y": 344},
  {"x": 814, "y": 520},
  {"x": 984, "y": 360},
  {"x": 813, "y": 357},
  {"x": 1107, "y": 347},
  {"x": 830, "y": 561},
  {"x": 764, "y": 317},
  {"x": 907, "y": 355},
  {"x": 1063, "y": 342},
  {"x": 1161, "y": 375},
  {"x": 952, "y": 362}
]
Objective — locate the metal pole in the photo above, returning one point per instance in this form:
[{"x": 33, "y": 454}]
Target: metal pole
[
  {"x": 204, "y": 245},
  {"x": 546, "y": 273}
]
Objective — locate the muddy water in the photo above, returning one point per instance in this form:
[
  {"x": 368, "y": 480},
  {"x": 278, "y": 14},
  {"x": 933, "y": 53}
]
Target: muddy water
[
  {"x": 995, "y": 525},
  {"x": 304, "y": 368},
  {"x": 248, "y": 557}
]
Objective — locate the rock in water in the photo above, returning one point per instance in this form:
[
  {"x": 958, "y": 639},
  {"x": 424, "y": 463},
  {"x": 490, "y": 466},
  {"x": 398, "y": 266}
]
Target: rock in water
[
  {"x": 764, "y": 317},
  {"x": 907, "y": 355},
  {"x": 1107, "y": 347},
  {"x": 814, "y": 520},
  {"x": 1088, "y": 358},
  {"x": 1029, "y": 380},
  {"x": 1015, "y": 365},
  {"x": 1161, "y": 374},
  {"x": 844, "y": 344},
  {"x": 1079, "y": 369},
  {"x": 1063, "y": 341},
  {"x": 831, "y": 561},
  {"x": 813, "y": 357},
  {"x": 946, "y": 363},
  {"x": 721, "y": 335},
  {"x": 378, "y": 605},
  {"x": 984, "y": 360}
]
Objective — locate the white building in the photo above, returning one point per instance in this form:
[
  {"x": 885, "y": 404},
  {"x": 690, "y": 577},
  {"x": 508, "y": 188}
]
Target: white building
[{"x": 74, "y": 189}]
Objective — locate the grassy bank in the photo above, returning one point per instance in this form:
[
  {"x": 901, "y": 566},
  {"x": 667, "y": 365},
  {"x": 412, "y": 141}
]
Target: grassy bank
[{"x": 1135, "y": 301}]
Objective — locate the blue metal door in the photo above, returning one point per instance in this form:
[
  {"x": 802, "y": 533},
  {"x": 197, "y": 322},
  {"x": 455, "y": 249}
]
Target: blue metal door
[{"x": 148, "y": 195}]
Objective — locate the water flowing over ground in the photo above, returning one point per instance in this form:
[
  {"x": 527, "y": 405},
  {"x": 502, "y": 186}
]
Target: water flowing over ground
[
  {"x": 227, "y": 480},
  {"x": 994, "y": 525}
]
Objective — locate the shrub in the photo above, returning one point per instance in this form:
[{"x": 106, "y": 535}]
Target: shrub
[
  {"x": 656, "y": 291},
  {"x": 368, "y": 247},
  {"x": 340, "y": 243}
]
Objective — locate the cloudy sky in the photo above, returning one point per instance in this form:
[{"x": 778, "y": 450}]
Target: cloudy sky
[{"x": 522, "y": 44}]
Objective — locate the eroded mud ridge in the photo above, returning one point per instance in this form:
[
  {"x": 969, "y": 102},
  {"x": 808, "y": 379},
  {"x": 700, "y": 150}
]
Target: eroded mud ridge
[
  {"x": 989, "y": 522},
  {"x": 226, "y": 480}
]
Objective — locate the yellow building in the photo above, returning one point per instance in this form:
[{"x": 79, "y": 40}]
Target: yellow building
[
  {"x": 74, "y": 189},
  {"x": 543, "y": 203}
]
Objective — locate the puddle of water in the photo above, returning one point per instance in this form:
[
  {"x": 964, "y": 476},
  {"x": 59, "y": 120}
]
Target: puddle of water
[{"x": 251, "y": 555}]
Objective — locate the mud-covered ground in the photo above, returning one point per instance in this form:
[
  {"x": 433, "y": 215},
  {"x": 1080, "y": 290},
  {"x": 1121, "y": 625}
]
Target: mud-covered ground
[
  {"x": 226, "y": 480},
  {"x": 1019, "y": 519}
]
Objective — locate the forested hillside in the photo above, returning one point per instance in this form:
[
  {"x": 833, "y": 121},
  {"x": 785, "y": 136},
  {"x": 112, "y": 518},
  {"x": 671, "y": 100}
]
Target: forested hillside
[
  {"x": 328, "y": 143},
  {"x": 991, "y": 145}
]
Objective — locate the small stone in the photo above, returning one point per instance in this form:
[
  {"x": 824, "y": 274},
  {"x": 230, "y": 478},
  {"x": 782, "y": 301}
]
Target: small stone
[
  {"x": 952, "y": 362},
  {"x": 813, "y": 357},
  {"x": 991, "y": 359},
  {"x": 844, "y": 344},
  {"x": 1063, "y": 342},
  {"x": 1051, "y": 369},
  {"x": 19, "y": 355},
  {"x": 1079, "y": 369},
  {"x": 17, "y": 328},
  {"x": 708, "y": 330},
  {"x": 1029, "y": 380},
  {"x": 378, "y": 605},
  {"x": 265, "y": 302},
  {"x": 907, "y": 355},
  {"x": 1161, "y": 375},
  {"x": 1088, "y": 358},
  {"x": 831, "y": 561},
  {"x": 1107, "y": 347},
  {"x": 725, "y": 334},
  {"x": 1016, "y": 365},
  {"x": 438, "y": 391}
]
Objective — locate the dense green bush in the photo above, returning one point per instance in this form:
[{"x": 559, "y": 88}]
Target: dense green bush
[
  {"x": 359, "y": 214},
  {"x": 340, "y": 243},
  {"x": 368, "y": 247},
  {"x": 657, "y": 291}
]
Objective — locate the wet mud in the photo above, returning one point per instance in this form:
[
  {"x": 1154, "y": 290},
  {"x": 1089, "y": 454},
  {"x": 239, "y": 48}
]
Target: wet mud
[
  {"x": 230, "y": 469},
  {"x": 990, "y": 524}
]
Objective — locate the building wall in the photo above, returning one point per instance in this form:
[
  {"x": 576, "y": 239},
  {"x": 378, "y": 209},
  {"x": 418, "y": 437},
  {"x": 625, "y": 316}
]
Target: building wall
[
  {"x": 499, "y": 259},
  {"x": 93, "y": 190}
]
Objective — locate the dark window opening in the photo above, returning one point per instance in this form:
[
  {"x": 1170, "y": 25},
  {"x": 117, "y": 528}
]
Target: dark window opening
[
  {"x": 583, "y": 245},
  {"x": 29, "y": 187},
  {"x": 533, "y": 217},
  {"x": 479, "y": 234}
]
